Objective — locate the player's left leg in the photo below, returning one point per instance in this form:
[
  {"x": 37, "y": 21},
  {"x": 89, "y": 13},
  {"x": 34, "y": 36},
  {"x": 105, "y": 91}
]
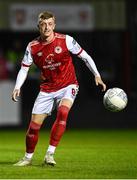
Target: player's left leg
[
  {"x": 59, "y": 125},
  {"x": 58, "y": 130}
]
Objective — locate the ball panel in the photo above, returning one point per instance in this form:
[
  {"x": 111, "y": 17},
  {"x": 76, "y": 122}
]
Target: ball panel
[
  {"x": 115, "y": 99},
  {"x": 110, "y": 106}
]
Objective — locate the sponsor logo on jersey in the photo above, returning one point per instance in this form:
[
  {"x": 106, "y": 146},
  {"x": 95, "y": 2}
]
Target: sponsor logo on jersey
[
  {"x": 50, "y": 62},
  {"x": 52, "y": 66},
  {"x": 50, "y": 59},
  {"x": 58, "y": 49}
]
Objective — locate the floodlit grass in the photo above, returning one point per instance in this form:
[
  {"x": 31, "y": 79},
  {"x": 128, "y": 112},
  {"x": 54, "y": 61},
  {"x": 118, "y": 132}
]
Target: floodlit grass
[{"x": 82, "y": 154}]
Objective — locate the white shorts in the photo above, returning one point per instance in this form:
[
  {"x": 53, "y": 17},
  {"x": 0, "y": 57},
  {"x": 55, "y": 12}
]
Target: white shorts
[{"x": 46, "y": 102}]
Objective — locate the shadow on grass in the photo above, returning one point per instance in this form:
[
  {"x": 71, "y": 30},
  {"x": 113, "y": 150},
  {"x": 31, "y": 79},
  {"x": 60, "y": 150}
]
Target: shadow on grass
[
  {"x": 43, "y": 166},
  {"x": 6, "y": 163}
]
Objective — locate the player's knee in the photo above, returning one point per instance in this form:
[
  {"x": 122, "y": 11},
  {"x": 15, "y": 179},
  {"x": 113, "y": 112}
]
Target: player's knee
[
  {"x": 63, "y": 113},
  {"x": 62, "y": 123},
  {"x": 33, "y": 128}
]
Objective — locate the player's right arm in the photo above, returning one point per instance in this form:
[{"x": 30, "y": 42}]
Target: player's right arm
[
  {"x": 22, "y": 74},
  {"x": 21, "y": 77}
]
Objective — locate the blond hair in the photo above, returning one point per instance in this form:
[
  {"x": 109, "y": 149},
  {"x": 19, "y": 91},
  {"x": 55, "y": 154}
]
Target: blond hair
[{"x": 45, "y": 15}]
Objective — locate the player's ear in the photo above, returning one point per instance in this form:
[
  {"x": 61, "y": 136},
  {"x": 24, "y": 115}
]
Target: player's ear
[
  {"x": 54, "y": 26},
  {"x": 38, "y": 26}
]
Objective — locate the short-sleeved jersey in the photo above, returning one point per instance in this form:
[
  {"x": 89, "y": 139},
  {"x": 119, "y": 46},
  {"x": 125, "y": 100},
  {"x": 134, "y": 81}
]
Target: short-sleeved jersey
[{"x": 54, "y": 60}]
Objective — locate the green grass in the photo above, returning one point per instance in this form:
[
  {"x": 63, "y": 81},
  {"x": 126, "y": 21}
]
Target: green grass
[{"x": 82, "y": 154}]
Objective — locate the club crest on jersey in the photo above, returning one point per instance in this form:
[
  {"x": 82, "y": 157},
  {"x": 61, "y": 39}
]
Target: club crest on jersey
[
  {"x": 39, "y": 53},
  {"x": 58, "y": 49}
]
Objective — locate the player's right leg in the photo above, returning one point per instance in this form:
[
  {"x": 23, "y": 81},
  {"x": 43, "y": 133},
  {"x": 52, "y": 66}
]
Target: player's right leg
[
  {"x": 32, "y": 136},
  {"x": 23, "y": 162},
  {"x": 42, "y": 107}
]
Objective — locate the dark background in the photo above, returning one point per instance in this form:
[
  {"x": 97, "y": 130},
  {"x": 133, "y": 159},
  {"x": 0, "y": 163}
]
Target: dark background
[{"x": 114, "y": 52}]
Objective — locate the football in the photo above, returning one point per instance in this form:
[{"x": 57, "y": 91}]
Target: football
[{"x": 115, "y": 99}]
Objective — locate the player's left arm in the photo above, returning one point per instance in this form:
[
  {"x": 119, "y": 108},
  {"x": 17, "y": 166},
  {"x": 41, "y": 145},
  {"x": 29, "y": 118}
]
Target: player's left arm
[
  {"x": 92, "y": 67},
  {"x": 76, "y": 49}
]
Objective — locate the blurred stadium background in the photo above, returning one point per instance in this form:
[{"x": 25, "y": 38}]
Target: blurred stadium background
[{"x": 106, "y": 29}]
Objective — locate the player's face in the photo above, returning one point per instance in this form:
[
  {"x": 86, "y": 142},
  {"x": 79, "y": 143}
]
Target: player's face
[{"x": 46, "y": 27}]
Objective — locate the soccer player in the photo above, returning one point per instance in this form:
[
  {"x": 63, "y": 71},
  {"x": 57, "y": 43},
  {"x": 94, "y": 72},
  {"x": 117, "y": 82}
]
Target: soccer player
[{"x": 50, "y": 52}]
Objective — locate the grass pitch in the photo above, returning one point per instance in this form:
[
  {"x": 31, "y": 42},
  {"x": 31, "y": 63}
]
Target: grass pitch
[{"x": 82, "y": 154}]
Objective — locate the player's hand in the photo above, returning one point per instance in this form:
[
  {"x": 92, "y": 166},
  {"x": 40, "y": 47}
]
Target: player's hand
[
  {"x": 15, "y": 94},
  {"x": 99, "y": 81}
]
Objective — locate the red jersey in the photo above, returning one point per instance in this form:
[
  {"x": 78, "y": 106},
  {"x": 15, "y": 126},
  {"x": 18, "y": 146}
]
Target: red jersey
[{"x": 54, "y": 61}]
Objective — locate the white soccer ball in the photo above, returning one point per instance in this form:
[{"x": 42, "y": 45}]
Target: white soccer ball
[{"x": 115, "y": 99}]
